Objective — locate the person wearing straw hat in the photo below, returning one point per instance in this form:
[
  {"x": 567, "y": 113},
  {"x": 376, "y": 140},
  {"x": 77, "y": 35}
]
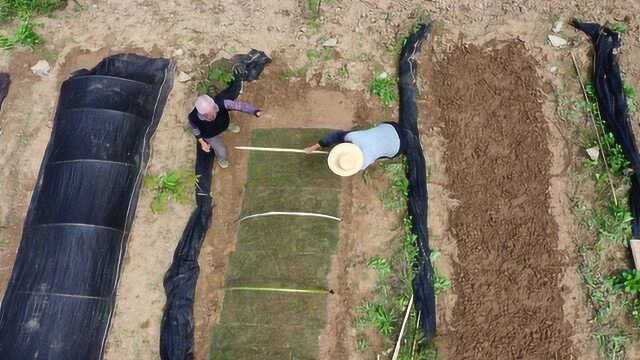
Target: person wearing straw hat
[
  {"x": 357, "y": 149},
  {"x": 210, "y": 118}
]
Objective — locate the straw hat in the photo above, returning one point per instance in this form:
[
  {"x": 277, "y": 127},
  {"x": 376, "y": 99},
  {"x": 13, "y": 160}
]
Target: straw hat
[{"x": 345, "y": 159}]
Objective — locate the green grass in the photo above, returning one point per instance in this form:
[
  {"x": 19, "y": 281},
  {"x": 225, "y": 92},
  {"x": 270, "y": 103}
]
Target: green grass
[
  {"x": 174, "y": 185},
  {"x": 384, "y": 87},
  {"x": 611, "y": 345},
  {"x": 24, "y": 11},
  {"x": 280, "y": 253}
]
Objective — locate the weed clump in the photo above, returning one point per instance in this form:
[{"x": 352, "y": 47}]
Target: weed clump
[
  {"x": 25, "y": 10},
  {"x": 216, "y": 77},
  {"x": 172, "y": 185},
  {"x": 385, "y": 88}
]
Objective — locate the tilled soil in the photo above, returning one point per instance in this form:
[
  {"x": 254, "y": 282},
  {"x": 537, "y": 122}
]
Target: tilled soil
[{"x": 508, "y": 273}]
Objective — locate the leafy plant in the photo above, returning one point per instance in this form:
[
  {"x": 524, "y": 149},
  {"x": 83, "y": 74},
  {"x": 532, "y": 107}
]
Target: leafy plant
[
  {"x": 24, "y": 10},
  {"x": 619, "y": 27},
  {"x": 384, "y": 87},
  {"x": 362, "y": 345},
  {"x": 611, "y": 346},
  {"x": 214, "y": 76},
  {"x": 172, "y": 185},
  {"x": 380, "y": 265},
  {"x": 628, "y": 280},
  {"x": 323, "y": 54},
  {"x": 379, "y": 317}
]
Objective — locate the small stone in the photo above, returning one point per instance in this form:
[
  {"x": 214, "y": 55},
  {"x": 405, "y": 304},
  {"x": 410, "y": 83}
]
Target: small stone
[
  {"x": 557, "y": 27},
  {"x": 178, "y": 53},
  {"x": 593, "y": 153},
  {"x": 330, "y": 43},
  {"x": 183, "y": 77},
  {"x": 41, "y": 68},
  {"x": 554, "y": 69},
  {"x": 557, "y": 41}
]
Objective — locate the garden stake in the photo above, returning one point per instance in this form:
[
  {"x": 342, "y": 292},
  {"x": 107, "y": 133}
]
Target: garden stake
[
  {"x": 396, "y": 352},
  {"x": 595, "y": 127}
]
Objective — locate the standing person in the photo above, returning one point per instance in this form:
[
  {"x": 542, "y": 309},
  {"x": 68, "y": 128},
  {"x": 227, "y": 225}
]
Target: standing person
[
  {"x": 210, "y": 118},
  {"x": 357, "y": 149}
]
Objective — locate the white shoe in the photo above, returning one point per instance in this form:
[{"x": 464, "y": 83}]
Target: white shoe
[
  {"x": 234, "y": 128},
  {"x": 223, "y": 163}
]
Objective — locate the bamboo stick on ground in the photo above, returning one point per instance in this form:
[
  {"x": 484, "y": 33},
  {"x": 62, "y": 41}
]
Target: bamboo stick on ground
[{"x": 396, "y": 352}]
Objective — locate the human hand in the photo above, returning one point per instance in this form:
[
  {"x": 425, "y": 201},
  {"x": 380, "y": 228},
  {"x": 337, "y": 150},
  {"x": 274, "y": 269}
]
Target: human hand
[
  {"x": 205, "y": 146},
  {"x": 311, "y": 148}
]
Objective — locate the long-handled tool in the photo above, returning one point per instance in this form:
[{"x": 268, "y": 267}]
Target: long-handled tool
[{"x": 257, "y": 148}]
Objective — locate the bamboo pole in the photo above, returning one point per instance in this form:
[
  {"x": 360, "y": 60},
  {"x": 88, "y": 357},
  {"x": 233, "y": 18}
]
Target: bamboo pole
[
  {"x": 303, "y": 291},
  {"x": 595, "y": 128},
  {"x": 292, "y": 213},
  {"x": 396, "y": 352},
  {"x": 258, "y": 148}
]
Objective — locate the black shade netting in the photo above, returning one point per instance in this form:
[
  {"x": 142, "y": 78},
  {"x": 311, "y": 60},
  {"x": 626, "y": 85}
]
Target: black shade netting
[
  {"x": 5, "y": 81},
  {"x": 177, "y": 328},
  {"x": 417, "y": 175},
  {"x": 612, "y": 103},
  {"x": 61, "y": 295}
]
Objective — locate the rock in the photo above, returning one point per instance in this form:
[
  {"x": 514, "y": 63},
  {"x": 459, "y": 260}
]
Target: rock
[
  {"x": 41, "y": 68},
  {"x": 557, "y": 27},
  {"x": 178, "y": 53},
  {"x": 554, "y": 69},
  {"x": 183, "y": 77},
  {"x": 593, "y": 153},
  {"x": 557, "y": 41},
  {"x": 330, "y": 43}
]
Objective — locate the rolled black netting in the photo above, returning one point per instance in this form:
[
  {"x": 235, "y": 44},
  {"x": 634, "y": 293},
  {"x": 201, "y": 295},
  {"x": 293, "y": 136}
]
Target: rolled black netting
[
  {"x": 177, "y": 328},
  {"x": 417, "y": 175},
  {"x": 612, "y": 103},
  {"x": 5, "y": 81},
  {"x": 61, "y": 295}
]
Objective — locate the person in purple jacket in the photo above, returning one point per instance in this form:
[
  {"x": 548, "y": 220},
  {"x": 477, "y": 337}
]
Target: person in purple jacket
[{"x": 210, "y": 118}]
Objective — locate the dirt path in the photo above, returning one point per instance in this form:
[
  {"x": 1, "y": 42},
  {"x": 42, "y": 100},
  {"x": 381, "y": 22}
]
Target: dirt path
[{"x": 508, "y": 271}]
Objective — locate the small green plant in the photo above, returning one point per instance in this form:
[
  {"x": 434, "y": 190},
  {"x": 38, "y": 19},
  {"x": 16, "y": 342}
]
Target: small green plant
[
  {"x": 619, "y": 27},
  {"x": 172, "y": 185},
  {"x": 343, "y": 71},
  {"x": 380, "y": 265},
  {"x": 628, "y": 280},
  {"x": 395, "y": 197},
  {"x": 611, "y": 346},
  {"x": 384, "y": 87},
  {"x": 376, "y": 315},
  {"x": 290, "y": 73},
  {"x": 323, "y": 54},
  {"x": 631, "y": 94},
  {"x": 25, "y": 10},
  {"x": 362, "y": 344},
  {"x": 214, "y": 76}
]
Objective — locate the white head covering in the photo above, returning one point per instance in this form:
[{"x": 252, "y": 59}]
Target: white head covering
[
  {"x": 205, "y": 104},
  {"x": 345, "y": 159}
]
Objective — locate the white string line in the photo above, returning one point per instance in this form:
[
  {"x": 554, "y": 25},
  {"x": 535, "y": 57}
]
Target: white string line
[
  {"x": 292, "y": 213},
  {"x": 257, "y": 148}
]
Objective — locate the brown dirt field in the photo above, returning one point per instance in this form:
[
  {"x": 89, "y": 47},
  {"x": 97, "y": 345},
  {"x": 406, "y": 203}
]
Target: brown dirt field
[
  {"x": 195, "y": 32},
  {"x": 509, "y": 304}
]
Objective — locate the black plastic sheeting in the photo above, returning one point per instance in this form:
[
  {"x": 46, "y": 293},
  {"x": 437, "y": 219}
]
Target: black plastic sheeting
[
  {"x": 5, "y": 81},
  {"x": 177, "y": 328},
  {"x": 61, "y": 295},
  {"x": 423, "y": 291},
  {"x": 612, "y": 103}
]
